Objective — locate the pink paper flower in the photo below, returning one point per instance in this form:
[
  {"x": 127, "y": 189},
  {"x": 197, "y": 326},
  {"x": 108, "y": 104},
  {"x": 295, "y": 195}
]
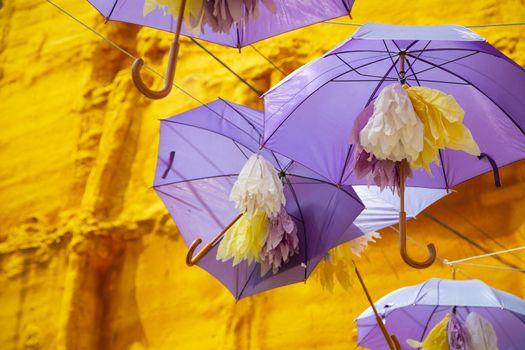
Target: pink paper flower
[
  {"x": 458, "y": 337},
  {"x": 383, "y": 173},
  {"x": 281, "y": 244}
]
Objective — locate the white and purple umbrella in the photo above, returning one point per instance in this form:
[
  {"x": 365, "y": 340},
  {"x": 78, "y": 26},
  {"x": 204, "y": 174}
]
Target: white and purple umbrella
[
  {"x": 412, "y": 312},
  {"x": 310, "y": 115},
  {"x": 235, "y": 23}
]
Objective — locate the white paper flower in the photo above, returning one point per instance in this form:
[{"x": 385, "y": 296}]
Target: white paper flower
[
  {"x": 394, "y": 131},
  {"x": 482, "y": 334},
  {"x": 258, "y": 187}
]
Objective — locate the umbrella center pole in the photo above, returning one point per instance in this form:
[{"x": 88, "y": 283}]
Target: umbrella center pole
[
  {"x": 402, "y": 213},
  {"x": 391, "y": 340},
  {"x": 180, "y": 19},
  {"x": 402, "y": 77}
]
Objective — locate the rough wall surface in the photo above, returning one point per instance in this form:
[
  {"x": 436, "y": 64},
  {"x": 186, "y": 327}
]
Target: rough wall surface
[{"x": 89, "y": 258}]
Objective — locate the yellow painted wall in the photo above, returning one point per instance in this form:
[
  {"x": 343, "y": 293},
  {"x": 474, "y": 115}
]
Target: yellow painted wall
[{"x": 89, "y": 258}]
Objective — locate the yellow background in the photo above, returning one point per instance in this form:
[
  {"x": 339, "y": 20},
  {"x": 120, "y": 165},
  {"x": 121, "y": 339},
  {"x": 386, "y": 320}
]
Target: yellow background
[{"x": 89, "y": 258}]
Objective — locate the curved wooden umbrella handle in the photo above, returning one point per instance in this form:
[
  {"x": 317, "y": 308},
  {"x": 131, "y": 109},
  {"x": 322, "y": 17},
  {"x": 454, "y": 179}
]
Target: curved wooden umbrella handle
[
  {"x": 403, "y": 247},
  {"x": 170, "y": 69},
  {"x": 192, "y": 260},
  {"x": 403, "y": 229},
  {"x": 168, "y": 79}
]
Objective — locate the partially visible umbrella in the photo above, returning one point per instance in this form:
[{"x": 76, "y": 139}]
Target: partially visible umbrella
[
  {"x": 200, "y": 155},
  {"x": 309, "y": 116},
  {"x": 412, "y": 312},
  {"x": 382, "y": 207},
  {"x": 381, "y": 211},
  {"x": 235, "y": 23}
]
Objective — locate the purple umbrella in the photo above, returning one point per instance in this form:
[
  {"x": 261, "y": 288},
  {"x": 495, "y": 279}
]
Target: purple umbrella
[
  {"x": 411, "y": 312},
  {"x": 200, "y": 155},
  {"x": 235, "y": 23},
  {"x": 321, "y": 100}
]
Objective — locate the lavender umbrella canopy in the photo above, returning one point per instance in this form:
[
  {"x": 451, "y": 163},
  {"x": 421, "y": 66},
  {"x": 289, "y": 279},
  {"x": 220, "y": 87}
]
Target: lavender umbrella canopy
[
  {"x": 234, "y": 23},
  {"x": 310, "y": 114},
  {"x": 288, "y": 15},
  {"x": 411, "y": 312},
  {"x": 200, "y": 155}
]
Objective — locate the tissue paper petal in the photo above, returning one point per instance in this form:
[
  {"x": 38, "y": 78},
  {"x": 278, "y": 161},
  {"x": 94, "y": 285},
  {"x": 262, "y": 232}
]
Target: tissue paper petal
[
  {"x": 258, "y": 187},
  {"x": 245, "y": 239},
  {"x": 394, "y": 131},
  {"x": 442, "y": 118},
  {"x": 281, "y": 244},
  {"x": 482, "y": 334}
]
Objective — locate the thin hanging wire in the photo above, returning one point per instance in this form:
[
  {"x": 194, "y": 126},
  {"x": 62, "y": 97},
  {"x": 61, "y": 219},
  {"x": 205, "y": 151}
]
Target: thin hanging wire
[
  {"x": 259, "y": 93},
  {"x": 483, "y": 232},
  {"x": 267, "y": 59},
  {"x": 492, "y": 267},
  {"x": 496, "y": 25},
  {"x": 454, "y": 262},
  {"x": 468, "y": 240},
  {"x": 121, "y": 49},
  {"x": 488, "y": 25},
  {"x": 343, "y": 23},
  {"x": 127, "y": 53}
]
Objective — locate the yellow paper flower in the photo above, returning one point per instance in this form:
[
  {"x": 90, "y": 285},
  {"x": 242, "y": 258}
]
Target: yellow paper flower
[
  {"x": 193, "y": 11},
  {"x": 442, "y": 118},
  {"x": 245, "y": 239},
  {"x": 220, "y": 15},
  {"x": 336, "y": 266},
  {"x": 437, "y": 339}
]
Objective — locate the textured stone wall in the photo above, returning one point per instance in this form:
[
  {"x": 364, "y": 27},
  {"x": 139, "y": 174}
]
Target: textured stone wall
[{"x": 90, "y": 259}]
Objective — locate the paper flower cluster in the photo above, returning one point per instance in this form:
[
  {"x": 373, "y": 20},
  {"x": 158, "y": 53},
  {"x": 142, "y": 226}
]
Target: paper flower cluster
[
  {"x": 442, "y": 117},
  {"x": 476, "y": 333},
  {"x": 245, "y": 239},
  {"x": 409, "y": 124},
  {"x": 458, "y": 336},
  {"x": 258, "y": 187},
  {"x": 281, "y": 244},
  {"x": 437, "y": 338},
  {"x": 481, "y": 332},
  {"x": 219, "y": 15},
  {"x": 336, "y": 264},
  {"x": 394, "y": 131},
  {"x": 383, "y": 172},
  {"x": 265, "y": 233}
]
